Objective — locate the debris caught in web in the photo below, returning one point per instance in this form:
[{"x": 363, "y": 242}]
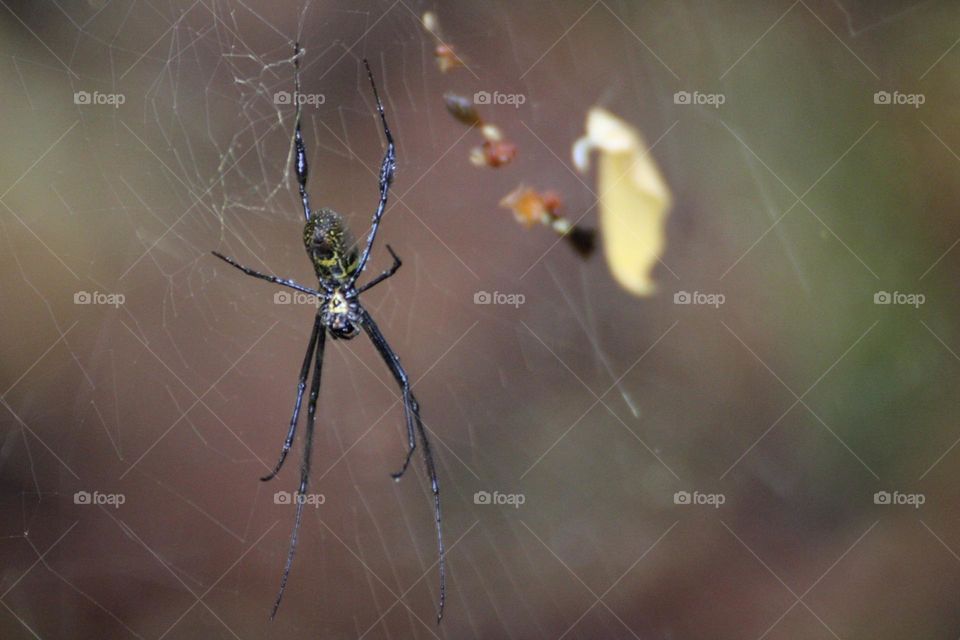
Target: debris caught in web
[
  {"x": 634, "y": 199},
  {"x": 530, "y": 207}
]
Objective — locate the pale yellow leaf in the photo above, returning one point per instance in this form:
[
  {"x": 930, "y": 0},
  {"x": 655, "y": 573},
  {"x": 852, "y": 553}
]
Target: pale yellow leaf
[{"x": 634, "y": 199}]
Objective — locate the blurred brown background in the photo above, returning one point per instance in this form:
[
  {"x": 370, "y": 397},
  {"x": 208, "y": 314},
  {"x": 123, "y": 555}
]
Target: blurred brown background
[{"x": 795, "y": 402}]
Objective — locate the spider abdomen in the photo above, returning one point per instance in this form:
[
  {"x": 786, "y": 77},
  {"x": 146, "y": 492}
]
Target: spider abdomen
[{"x": 331, "y": 247}]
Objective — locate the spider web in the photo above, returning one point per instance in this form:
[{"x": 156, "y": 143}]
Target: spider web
[{"x": 590, "y": 406}]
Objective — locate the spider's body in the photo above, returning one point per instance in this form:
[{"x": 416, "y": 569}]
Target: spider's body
[
  {"x": 335, "y": 257},
  {"x": 338, "y": 264}
]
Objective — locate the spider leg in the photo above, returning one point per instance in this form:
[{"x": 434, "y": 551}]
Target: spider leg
[
  {"x": 301, "y": 150},
  {"x": 263, "y": 276},
  {"x": 305, "y": 466},
  {"x": 301, "y": 386},
  {"x": 397, "y": 263},
  {"x": 412, "y": 413},
  {"x": 410, "y": 406},
  {"x": 387, "y": 167}
]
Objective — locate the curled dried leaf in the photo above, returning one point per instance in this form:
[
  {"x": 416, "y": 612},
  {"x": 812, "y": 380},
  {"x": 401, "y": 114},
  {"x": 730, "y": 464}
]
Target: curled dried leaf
[{"x": 634, "y": 199}]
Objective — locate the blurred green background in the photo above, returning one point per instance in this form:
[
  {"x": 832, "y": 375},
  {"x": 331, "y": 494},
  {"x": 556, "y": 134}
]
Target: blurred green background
[{"x": 800, "y": 403}]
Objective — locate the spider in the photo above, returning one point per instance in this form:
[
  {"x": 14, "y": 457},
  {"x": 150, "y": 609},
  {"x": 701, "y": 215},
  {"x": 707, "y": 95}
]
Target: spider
[{"x": 338, "y": 265}]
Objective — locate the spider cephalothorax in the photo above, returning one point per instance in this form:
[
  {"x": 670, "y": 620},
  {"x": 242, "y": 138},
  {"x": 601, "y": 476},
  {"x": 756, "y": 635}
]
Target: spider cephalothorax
[
  {"x": 338, "y": 264},
  {"x": 340, "y": 314}
]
